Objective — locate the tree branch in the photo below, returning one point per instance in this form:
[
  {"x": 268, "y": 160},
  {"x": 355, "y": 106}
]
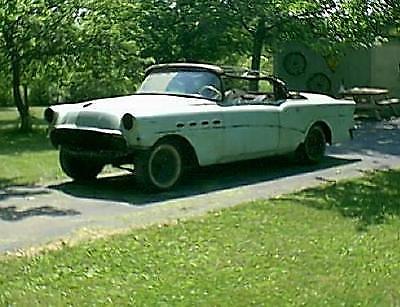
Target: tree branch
[{"x": 237, "y": 11}]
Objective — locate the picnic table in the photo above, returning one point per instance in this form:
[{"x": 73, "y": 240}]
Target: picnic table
[{"x": 367, "y": 99}]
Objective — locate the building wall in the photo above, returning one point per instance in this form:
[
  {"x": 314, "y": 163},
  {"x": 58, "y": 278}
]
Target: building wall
[
  {"x": 376, "y": 67},
  {"x": 297, "y": 65},
  {"x": 354, "y": 69},
  {"x": 385, "y": 68}
]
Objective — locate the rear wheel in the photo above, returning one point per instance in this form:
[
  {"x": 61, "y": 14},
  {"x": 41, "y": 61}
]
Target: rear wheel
[
  {"x": 159, "y": 168},
  {"x": 312, "y": 150},
  {"x": 77, "y": 168}
]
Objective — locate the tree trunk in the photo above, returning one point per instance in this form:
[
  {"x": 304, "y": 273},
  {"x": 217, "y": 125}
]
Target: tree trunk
[
  {"x": 23, "y": 107},
  {"x": 258, "y": 44},
  {"x": 25, "y": 88}
]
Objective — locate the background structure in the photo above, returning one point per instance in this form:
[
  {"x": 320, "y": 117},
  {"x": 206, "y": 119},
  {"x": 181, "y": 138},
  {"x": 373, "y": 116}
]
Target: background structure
[{"x": 306, "y": 70}]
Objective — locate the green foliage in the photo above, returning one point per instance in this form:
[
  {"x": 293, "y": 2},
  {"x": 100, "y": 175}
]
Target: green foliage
[
  {"x": 326, "y": 25},
  {"x": 39, "y": 92},
  {"x": 82, "y": 88},
  {"x": 355, "y": 24},
  {"x": 107, "y": 63},
  {"x": 76, "y": 47},
  {"x": 5, "y": 92},
  {"x": 32, "y": 31},
  {"x": 188, "y": 31},
  {"x": 303, "y": 249}
]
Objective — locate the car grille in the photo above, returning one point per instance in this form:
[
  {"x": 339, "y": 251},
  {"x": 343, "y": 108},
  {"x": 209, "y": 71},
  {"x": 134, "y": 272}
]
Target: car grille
[{"x": 87, "y": 140}]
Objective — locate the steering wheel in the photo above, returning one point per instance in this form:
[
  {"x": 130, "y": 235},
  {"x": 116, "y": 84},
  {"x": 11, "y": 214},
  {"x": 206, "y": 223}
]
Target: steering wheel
[{"x": 209, "y": 91}]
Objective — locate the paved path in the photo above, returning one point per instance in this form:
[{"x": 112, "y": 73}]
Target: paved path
[{"x": 32, "y": 216}]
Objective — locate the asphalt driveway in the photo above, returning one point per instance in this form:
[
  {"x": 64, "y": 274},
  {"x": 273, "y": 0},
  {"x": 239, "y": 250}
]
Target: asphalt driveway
[{"x": 32, "y": 216}]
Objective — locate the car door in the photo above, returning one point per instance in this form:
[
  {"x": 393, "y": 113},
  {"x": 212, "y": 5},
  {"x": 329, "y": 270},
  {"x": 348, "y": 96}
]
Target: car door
[{"x": 250, "y": 131}]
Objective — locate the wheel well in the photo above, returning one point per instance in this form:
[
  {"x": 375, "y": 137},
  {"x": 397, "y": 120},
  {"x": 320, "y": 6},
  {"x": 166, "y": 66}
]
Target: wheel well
[
  {"x": 326, "y": 129},
  {"x": 189, "y": 154}
]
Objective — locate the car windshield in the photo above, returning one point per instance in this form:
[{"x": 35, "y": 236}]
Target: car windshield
[{"x": 192, "y": 83}]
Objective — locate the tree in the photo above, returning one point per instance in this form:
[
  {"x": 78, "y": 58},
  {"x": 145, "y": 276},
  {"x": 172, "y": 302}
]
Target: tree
[
  {"x": 33, "y": 30},
  {"x": 186, "y": 30},
  {"x": 324, "y": 24},
  {"x": 87, "y": 46},
  {"x": 106, "y": 59}
]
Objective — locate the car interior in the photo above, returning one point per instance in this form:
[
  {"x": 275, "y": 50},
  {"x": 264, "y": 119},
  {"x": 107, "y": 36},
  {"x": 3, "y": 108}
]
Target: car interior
[{"x": 253, "y": 91}]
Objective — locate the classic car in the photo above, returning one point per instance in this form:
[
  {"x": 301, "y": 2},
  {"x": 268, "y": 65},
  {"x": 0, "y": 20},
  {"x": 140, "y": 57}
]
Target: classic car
[{"x": 186, "y": 115}]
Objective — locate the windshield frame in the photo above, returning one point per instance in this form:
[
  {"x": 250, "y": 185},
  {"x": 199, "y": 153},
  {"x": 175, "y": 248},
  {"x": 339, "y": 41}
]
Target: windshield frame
[
  {"x": 280, "y": 90},
  {"x": 217, "y": 84}
]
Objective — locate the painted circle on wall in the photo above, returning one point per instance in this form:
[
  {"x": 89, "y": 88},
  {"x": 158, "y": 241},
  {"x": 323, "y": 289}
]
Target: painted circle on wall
[
  {"x": 295, "y": 63},
  {"x": 319, "y": 83}
]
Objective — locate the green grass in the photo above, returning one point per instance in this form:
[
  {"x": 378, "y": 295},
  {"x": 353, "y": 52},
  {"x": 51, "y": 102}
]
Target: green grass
[
  {"x": 329, "y": 246},
  {"x": 26, "y": 158}
]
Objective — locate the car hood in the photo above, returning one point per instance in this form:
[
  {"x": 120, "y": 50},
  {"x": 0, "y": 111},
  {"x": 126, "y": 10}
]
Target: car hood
[
  {"x": 107, "y": 113},
  {"x": 147, "y": 105}
]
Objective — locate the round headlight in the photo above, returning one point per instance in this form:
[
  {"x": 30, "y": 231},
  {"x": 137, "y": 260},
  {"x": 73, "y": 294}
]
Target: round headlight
[
  {"x": 128, "y": 121},
  {"x": 49, "y": 115}
]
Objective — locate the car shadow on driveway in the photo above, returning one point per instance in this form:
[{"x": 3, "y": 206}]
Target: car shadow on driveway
[
  {"x": 13, "y": 214},
  {"x": 201, "y": 181},
  {"x": 372, "y": 138}
]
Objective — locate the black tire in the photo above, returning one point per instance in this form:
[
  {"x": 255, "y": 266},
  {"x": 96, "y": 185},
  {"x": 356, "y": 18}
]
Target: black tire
[
  {"x": 312, "y": 150},
  {"x": 160, "y": 168},
  {"x": 77, "y": 168}
]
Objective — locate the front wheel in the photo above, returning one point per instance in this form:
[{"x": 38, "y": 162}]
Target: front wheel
[
  {"x": 77, "y": 168},
  {"x": 312, "y": 150},
  {"x": 159, "y": 168}
]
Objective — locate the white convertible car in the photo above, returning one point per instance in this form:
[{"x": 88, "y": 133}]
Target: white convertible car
[{"x": 186, "y": 115}]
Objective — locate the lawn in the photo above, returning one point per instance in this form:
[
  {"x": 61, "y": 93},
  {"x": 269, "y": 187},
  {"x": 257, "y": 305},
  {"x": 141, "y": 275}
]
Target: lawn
[
  {"x": 328, "y": 246},
  {"x": 26, "y": 158}
]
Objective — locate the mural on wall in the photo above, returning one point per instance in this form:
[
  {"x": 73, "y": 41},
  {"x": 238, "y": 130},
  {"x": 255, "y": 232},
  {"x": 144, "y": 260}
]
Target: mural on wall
[
  {"x": 319, "y": 83},
  {"x": 295, "y": 63},
  {"x": 305, "y": 70}
]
